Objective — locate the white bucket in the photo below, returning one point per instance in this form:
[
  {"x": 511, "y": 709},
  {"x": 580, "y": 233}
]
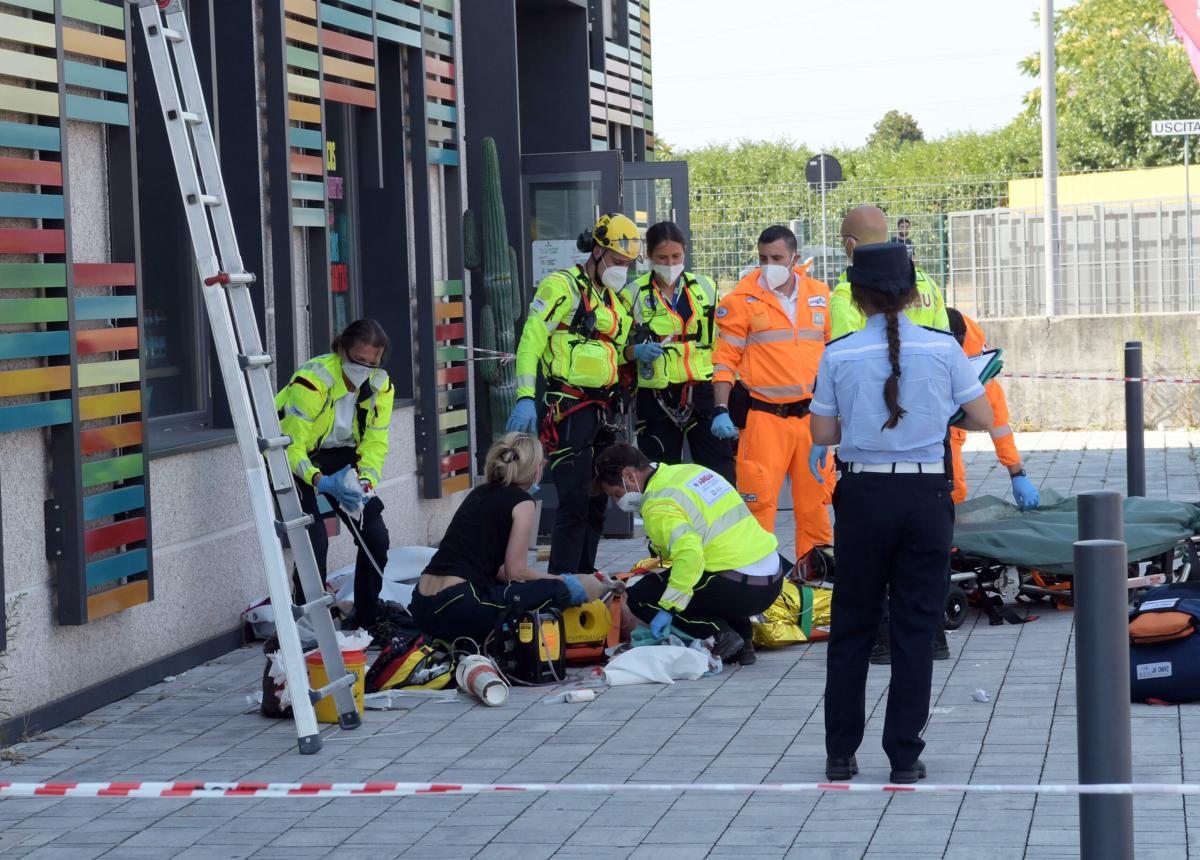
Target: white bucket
[{"x": 479, "y": 677}]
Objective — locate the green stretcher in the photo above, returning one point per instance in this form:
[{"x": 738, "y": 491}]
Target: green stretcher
[{"x": 992, "y": 529}]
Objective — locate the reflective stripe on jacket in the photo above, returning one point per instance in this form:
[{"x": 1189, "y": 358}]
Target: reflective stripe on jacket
[
  {"x": 697, "y": 520},
  {"x": 559, "y": 338},
  {"x": 687, "y": 344},
  {"x": 930, "y": 309},
  {"x": 757, "y": 342},
  {"x": 306, "y": 413},
  {"x": 974, "y": 343}
]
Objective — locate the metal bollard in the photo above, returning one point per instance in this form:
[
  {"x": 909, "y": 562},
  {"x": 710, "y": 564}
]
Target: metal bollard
[
  {"x": 1135, "y": 421},
  {"x": 1102, "y": 697},
  {"x": 1101, "y": 516}
]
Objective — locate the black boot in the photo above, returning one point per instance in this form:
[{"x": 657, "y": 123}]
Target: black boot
[{"x": 746, "y": 656}]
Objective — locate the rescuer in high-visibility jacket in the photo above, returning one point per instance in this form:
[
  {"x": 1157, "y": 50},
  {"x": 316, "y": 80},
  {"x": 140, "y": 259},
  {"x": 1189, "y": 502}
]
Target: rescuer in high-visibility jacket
[
  {"x": 771, "y": 333},
  {"x": 867, "y": 225},
  {"x": 725, "y": 567},
  {"x": 674, "y": 315},
  {"x": 337, "y": 409},
  {"x": 971, "y": 337},
  {"x": 575, "y": 334}
]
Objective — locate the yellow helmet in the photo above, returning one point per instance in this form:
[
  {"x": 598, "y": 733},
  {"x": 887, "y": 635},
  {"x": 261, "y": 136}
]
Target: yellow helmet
[{"x": 614, "y": 233}]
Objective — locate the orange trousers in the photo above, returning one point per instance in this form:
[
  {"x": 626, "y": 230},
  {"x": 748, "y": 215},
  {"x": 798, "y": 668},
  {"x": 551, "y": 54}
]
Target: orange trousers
[
  {"x": 957, "y": 438},
  {"x": 769, "y": 450}
]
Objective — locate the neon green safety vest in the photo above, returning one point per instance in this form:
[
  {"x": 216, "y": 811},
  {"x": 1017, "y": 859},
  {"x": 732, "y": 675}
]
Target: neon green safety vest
[
  {"x": 563, "y": 338},
  {"x": 687, "y": 345},
  {"x": 697, "y": 520},
  {"x": 306, "y": 413},
  {"x": 929, "y": 310}
]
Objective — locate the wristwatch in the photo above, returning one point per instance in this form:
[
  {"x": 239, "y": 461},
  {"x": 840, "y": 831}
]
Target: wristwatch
[
  {"x": 720, "y": 410},
  {"x": 1020, "y": 474}
]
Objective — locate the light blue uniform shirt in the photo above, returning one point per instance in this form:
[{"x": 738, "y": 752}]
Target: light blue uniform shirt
[{"x": 935, "y": 380}]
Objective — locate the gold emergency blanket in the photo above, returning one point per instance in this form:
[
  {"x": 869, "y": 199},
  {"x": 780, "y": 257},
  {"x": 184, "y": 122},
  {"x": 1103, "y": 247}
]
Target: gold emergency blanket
[{"x": 799, "y": 614}]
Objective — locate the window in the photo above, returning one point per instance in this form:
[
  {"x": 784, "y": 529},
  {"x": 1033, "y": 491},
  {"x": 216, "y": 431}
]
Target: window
[
  {"x": 342, "y": 193},
  {"x": 179, "y": 405}
]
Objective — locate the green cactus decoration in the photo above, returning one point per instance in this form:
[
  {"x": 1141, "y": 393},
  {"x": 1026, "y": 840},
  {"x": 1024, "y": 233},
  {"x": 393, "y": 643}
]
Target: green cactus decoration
[{"x": 502, "y": 294}]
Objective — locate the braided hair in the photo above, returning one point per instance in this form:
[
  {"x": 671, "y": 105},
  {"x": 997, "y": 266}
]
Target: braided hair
[{"x": 891, "y": 305}]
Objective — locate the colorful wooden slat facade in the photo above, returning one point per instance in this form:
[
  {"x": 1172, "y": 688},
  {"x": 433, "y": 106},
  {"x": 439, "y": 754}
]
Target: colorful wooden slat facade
[
  {"x": 330, "y": 54},
  {"x": 86, "y": 386},
  {"x": 621, "y": 91}
]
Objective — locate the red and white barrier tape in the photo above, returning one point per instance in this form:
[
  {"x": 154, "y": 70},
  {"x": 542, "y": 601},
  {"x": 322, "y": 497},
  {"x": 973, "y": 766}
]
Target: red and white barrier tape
[
  {"x": 1177, "y": 380},
  {"x": 194, "y": 790}
]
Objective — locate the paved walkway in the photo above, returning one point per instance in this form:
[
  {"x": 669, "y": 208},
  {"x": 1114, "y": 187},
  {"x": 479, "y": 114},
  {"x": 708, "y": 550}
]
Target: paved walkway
[{"x": 763, "y": 723}]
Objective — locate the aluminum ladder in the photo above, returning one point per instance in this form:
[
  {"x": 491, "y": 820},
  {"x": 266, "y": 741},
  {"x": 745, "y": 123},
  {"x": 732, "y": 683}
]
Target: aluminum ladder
[{"x": 245, "y": 371}]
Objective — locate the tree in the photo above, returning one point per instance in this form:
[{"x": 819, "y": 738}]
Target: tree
[
  {"x": 895, "y": 130},
  {"x": 1119, "y": 67}
]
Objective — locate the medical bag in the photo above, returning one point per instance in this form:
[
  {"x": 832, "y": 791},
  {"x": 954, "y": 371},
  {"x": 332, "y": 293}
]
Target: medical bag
[
  {"x": 529, "y": 646},
  {"x": 1164, "y": 646}
]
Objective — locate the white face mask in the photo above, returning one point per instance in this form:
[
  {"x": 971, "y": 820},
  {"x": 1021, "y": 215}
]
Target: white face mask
[
  {"x": 775, "y": 275},
  {"x": 614, "y": 277},
  {"x": 668, "y": 274},
  {"x": 356, "y": 373},
  {"x": 631, "y": 502}
]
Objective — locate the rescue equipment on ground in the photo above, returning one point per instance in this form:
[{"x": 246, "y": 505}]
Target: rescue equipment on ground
[
  {"x": 479, "y": 676},
  {"x": 799, "y": 614},
  {"x": 1164, "y": 648},
  {"x": 416, "y": 663},
  {"x": 528, "y": 646}
]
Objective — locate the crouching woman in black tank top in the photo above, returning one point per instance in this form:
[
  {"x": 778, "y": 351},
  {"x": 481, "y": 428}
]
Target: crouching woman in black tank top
[{"x": 480, "y": 568}]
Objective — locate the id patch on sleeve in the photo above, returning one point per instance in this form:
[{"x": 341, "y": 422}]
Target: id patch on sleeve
[
  {"x": 722, "y": 311},
  {"x": 817, "y": 302},
  {"x": 709, "y": 486},
  {"x": 538, "y": 305}
]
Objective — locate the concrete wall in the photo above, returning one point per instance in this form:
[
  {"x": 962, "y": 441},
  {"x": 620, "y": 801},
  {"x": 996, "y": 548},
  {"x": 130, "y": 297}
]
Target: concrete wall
[{"x": 1096, "y": 346}]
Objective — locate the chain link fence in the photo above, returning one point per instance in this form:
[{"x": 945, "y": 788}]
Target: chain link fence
[{"x": 1124, "y": 245}]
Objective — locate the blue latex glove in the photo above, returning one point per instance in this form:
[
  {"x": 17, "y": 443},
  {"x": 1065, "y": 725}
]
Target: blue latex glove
[
  {"x": 523, "y": 418},
  {"x": 660, "y": 624},
  {"x": 818, "y": 455},
  {"x": 575, "y": 587},
  {"x": 722, "y": 426},
  {"x": 335, "y": 486},
  {"x": 647, "y": 351},
  {"x": 1025, "y": 493}
]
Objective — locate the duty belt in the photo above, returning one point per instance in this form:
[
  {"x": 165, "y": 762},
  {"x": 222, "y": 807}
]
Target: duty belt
[
  {"x": 795, "y": 409},
  {"x": 746, "y": 579}
]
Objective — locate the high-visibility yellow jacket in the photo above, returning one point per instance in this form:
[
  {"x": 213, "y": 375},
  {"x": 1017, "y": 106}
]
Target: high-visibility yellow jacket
[
  {"x": 306, "y": 413},
  {"x": 929, "y": 310},
  {"x": 565, "y": 341},
  {"x": 687, "y": 342},
  {"x": 697, "y": 520}
]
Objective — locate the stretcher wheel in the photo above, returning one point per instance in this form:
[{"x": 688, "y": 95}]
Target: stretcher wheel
[{"x": 956, "y": 608}]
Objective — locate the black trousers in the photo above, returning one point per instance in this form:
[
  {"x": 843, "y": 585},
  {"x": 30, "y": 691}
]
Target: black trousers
[
  {"x": 367, "y": 581},
  {"x": 579, "y": 519},
  {"x": 892, "y": 534},
  {"x": 718, "y": 604},
  {"x": 472, "y": 610},
  {"x": 661, "y": 439}
]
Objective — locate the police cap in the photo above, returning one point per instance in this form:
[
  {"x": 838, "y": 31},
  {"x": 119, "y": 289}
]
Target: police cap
[{"x": 883, "y": 267}]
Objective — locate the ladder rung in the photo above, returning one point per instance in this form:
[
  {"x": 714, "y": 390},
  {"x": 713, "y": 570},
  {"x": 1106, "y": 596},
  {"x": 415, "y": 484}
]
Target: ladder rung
[
  {"x": 273, "y": 442},
  {"x": 192, "y": 118},
  {"x": 242, "y": 278},
  {"x": 321, "y": 602},
  {"x": 346, "y": 680},
  {"x": 293, "y": 525},
  {"x": 206, "y": 199},
  {"x": 172, "y": 35},
  {"x": 262, "y": 359}
]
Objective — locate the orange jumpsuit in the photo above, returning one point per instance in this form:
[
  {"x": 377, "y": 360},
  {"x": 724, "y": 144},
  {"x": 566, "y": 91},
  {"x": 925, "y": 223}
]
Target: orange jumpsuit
[
  {"x": 777, "y": 361},
  {"x": 1002, "y": 435}
]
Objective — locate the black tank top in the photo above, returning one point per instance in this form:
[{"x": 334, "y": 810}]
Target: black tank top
[{"x": 477, "y": 538}]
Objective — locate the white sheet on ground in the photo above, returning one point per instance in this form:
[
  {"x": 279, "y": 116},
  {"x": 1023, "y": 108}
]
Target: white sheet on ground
[{"x": 657, "y": 664}]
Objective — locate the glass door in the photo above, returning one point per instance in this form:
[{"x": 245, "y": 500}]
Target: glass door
[
  {"x": 563, "y": 194},
  {"x": 657, "y": 191}
]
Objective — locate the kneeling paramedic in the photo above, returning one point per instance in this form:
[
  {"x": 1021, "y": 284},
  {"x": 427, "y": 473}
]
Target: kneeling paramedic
[
  {"x": 575, "y": 332},
  {"x": 886, "y": 394},
  {"x": 337, "y": 409},
  {"x": 725, "y": 567}
]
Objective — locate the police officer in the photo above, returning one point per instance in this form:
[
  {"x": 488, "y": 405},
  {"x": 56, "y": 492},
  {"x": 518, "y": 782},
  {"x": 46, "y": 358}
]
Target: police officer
[
  {"x": 894, "y": 519},
  {"x": 575, "y": 333},
  {"x": 673, "y": 314},
  {"x": 865, "y": 225},
  {"x": 724, "y": 565}
]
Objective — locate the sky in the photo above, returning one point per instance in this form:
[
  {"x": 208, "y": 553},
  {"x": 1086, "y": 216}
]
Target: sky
[{"x": 823, "y": 72}]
